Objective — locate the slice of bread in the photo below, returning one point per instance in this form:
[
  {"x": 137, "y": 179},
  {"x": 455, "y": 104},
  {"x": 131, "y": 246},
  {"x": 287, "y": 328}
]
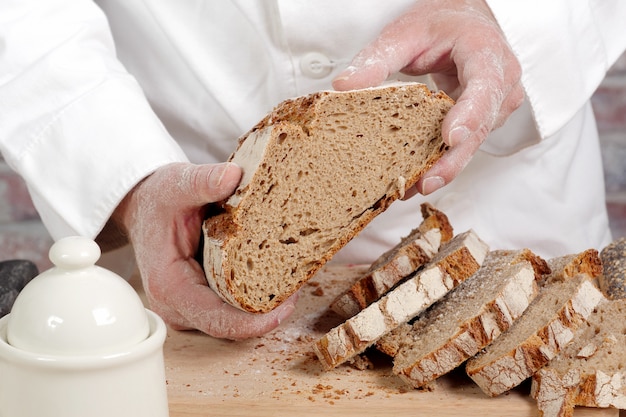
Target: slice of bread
[
  {"x": 589, "y": 372},
  {"x": 613, "y": 278},
  {"x": 565, "y": 267},
  {"x": 406, "y": 257},
  {"x": 316, "y": 170},
  {"x": 467, "y": 319},
  {"x": 457, "y": 260},
  {"x": 404, "y": 335},
  {"x": 545, "y": 328}
]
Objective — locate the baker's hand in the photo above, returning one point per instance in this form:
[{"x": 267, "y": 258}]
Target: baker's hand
[
  {"x": 460, "y": 43},
  {"x": 162, "y": 217}
]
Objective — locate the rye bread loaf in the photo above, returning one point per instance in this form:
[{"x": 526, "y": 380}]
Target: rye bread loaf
[
  {"x": 406, "y": 257},
  {"x": 590, "y": 371},
  {"x": 467, "y": 319},
  {"x": 457, "y": 260},
  {"x": 613, "y": 278},
  {"x": 316, "y": 170},
  {"x": 545, "y": 328}
]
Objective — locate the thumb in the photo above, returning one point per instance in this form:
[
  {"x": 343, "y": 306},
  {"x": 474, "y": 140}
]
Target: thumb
[{"x": 209, "y": 183}]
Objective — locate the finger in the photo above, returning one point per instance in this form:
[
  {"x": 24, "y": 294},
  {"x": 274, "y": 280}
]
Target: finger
[
  {"x": 448, "y": 167},
  {"x": 377, "y": 61},
  {"x": 224, "y": 321},
  {"x": 487, "y": 77},
  {"x": 209, "y": 183},
  {"x": 186, "y": 302},
  {"x": 202, "y": 309}
]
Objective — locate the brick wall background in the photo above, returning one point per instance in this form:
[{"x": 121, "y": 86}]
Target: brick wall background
[
  {"x": 22, "y": 234},
  {"x": 609, "y": 103}
]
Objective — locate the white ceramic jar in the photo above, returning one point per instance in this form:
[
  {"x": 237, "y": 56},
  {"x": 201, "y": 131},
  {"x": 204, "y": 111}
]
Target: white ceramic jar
[{"x": 78, "y": 342}]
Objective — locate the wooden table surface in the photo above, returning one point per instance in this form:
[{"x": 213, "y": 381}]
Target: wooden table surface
[{"x": 279, "y": 375}]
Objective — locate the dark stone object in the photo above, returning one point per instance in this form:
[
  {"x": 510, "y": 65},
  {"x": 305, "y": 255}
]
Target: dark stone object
[{"x": 14, "y": 275}]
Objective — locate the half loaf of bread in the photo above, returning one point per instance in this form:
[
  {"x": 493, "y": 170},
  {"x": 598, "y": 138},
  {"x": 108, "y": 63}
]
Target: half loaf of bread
[
  {"x": 406, "y": 257},
  {"x": 457, "y": 260},
  {"x": 468, "y": 318},
  {"x": 316, "y": 170},
  {"x": 589, "y": 372},
  {"x": 545, "y": 328}
]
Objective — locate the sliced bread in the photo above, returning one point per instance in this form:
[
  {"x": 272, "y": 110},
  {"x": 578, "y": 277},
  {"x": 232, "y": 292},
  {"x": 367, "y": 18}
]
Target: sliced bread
[
  {"x": 457, "y": 260},
  {"x": 545, "y": 328},
  {"x": 589, "y": 372},
  {"x": 613, "y": 278},
  {"x": 316, "y": 170},
  {"x": 564, "y": 267},
  {"x": 406, "y": 257},
  {"x": 467, "y": 319}
]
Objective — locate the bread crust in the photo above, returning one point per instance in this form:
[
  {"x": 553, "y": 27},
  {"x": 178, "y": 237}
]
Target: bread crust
[
  {"x": 412, "y": 252},
  {"x": 507, "y": 370},
  {"x": 511, "y": 277},
  {"x": 590, "y": 371},
  {"x": 273, "y": 235},
  {"x": 458, "y": 260},
  {"x": 564, "y": 267},
  {"x": 613, "y": 279}
]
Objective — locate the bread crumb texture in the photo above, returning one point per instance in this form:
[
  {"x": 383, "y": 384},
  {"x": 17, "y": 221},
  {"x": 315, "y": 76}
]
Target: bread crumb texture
[
  {"x": 413, "y": 251},
  {"x": 458, "y": 259},
  {"x": 517, "y": 317},
  {"x": 589, "y": 372},
  {"x": 537, "y": 336},
  {"x": 466, "y": 320},
  {"x": 316, "y": 171}
]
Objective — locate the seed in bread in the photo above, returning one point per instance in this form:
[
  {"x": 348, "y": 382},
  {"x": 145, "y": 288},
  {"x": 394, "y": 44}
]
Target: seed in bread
[
  {"x": 406, "y": 257},
  {"x": 457, "y": 260},
  {"x": 545, "y": 328},
  {"x": 589, "y": 372},
  {"x": 467, "y": 319},
  {"x": 613, "y": 278},
  {"x": 316, "y": 170}
]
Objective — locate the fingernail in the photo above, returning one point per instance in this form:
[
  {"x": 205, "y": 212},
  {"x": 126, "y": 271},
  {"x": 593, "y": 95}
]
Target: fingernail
[
  {"x": 432, "y": 184},
  {"x": 458, "y": 135},
  {"x": 217, "y": 174},
  {"x": 345, "y": 74},
  {"x": 285, "y": 312}
]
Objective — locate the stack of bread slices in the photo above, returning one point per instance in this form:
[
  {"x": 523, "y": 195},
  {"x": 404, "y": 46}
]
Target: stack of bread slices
[{"x": 438, "y": 301}]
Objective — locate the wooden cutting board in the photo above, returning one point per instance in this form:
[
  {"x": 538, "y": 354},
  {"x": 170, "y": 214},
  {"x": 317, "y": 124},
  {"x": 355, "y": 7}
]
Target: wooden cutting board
[{"x": 279, "y": 375}]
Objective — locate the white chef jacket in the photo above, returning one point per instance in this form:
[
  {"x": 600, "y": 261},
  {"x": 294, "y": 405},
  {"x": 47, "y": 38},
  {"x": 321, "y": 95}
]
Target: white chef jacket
[{"x": 95, "y": 96}]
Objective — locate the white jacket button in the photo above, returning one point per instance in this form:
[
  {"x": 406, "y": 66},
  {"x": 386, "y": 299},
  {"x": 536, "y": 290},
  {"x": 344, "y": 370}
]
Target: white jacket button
[{"x": 315, "y": 65}]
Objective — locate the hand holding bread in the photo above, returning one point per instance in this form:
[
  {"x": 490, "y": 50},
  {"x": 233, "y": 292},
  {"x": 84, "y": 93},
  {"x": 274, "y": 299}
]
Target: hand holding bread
[
  {"x": 462, "y": 46},
  {"x": 162, "y": 218}
]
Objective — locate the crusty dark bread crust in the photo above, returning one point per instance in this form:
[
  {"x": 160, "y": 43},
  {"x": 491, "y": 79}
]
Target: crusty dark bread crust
[
  {"x": 457, "y": 260},
  {"x": 565, "y": 267},
  {"x": 413, "y": 251},
  {"x": 317, "y": 169},
  {"x": 590, "y": 371},
  {"x": 467, "y": 319},
  {"x": 544, "y": 329},
  {"x": 613, "y": 278}
]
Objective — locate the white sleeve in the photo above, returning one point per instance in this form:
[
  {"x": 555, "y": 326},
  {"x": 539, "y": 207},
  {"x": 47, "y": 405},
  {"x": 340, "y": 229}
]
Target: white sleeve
[
  {"x": 565, "y": 48},
  {"x": 73, "y": 123}
]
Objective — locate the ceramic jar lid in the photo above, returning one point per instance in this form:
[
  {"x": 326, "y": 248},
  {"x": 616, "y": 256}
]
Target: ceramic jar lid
[{"x": 76, "y": 307}]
